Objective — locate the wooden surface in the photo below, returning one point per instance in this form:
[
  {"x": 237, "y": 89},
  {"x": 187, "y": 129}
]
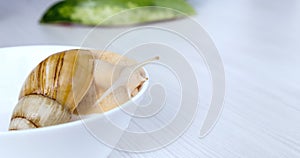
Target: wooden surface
[{"x": 258, "y": 41}]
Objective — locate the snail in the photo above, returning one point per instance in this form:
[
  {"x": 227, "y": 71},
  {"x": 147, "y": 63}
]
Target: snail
[{"x": 74, "y": 82}]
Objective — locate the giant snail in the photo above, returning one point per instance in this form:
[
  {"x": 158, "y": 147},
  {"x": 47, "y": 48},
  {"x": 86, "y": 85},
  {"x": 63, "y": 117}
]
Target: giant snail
[{"x": 71, "y": 81}]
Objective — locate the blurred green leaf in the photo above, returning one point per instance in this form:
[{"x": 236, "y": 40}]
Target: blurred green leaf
[{"x": 115, "y": 12}]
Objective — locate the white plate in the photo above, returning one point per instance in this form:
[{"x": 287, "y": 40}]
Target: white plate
[{"x": 66, "y": 140}]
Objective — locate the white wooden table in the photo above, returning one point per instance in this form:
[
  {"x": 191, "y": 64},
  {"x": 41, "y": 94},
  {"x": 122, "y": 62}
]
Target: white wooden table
[{"x": 258, "y": 41}]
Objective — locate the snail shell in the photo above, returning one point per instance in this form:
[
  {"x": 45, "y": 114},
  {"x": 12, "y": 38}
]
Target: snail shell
[{"x": 48, "y": 96}]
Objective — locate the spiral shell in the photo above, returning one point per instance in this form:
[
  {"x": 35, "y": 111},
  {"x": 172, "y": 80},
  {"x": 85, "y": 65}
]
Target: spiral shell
[{"x": 48, "y": 96}]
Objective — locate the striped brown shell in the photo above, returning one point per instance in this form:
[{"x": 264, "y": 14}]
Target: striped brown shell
[{"x": 53, "y": 89}]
